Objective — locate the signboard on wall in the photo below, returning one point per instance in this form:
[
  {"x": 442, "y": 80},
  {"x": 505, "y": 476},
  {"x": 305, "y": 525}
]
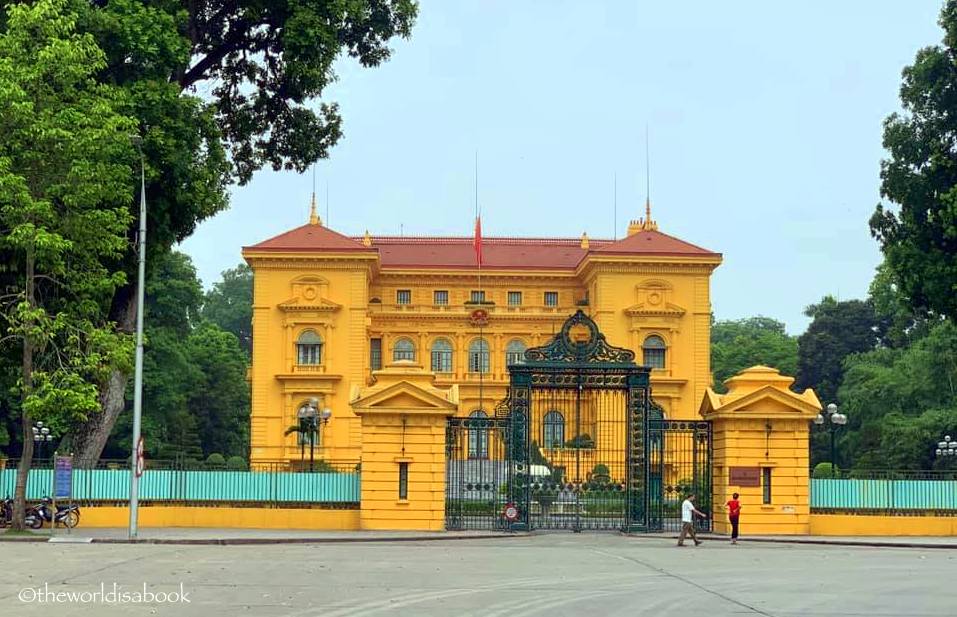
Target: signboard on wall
[{"x": 744, "y": 476}]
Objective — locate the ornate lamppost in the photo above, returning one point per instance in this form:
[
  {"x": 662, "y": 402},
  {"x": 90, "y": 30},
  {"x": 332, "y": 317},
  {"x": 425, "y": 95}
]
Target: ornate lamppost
[
  {"x": 946, "y": 448},
  {"x": 832, "y": 421},
  {"x": 41, "y": 436},
  {"x": 310, "y": 416}
]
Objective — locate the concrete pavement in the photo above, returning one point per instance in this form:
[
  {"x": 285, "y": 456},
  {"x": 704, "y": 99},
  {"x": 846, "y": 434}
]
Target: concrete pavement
[{"x": 551, "y": 574}]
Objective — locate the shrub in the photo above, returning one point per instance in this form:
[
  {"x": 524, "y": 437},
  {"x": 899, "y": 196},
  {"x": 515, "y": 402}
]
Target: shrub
[
  {"x": 825, "y": 470},
  {"x": 215, "y": 460},
  {"x": 236, "y": 463}
]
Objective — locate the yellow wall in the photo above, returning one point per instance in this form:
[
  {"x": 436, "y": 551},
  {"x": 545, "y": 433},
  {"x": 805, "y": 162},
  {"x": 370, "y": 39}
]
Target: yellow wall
[
  {"x": 226, "y": 518},
  {"x": 852, "y": 525},
  {"x": 631, "y": 297}
]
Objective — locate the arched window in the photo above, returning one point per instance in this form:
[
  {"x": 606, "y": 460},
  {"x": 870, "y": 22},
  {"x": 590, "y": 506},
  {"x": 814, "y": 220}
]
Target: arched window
[
  {"x": 554, "y": 425},
  {"x": 653, "y": 350},
  {"x": 478, "y": 356},
  {"x": 403, "y": 349},
  {"x": 515, "y": 352},
  {"x": 441, "y": 356},
  {"x": 309, "y": 348},
  {"x": 478, "y": 435}
]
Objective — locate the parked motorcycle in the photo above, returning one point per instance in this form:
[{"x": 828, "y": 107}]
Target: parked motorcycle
[
  {"x": 6, "y": 512},
  {"x": 41, "y": 513}
]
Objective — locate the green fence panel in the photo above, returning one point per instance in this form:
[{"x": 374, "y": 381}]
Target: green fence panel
[
  {"x": 883, "y": 494},
  {"x": 179, "y": 485}
]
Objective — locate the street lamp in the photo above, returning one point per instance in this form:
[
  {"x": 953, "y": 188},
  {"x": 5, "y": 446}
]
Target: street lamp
[
  {"x": 833, "y": 421},
  {"x": 310, "y": 416},
  {"x": 138, "y": 371},
  {"x": 41, "y": 436},
  {"x": 946, "y": 447}
]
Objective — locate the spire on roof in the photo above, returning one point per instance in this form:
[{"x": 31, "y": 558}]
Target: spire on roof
[
  {"x": 645, "y": 224},
  {"x": 584, "y": 240},
  {"x": 313, "y": 215},
  {"x": 367, "y": 239}
]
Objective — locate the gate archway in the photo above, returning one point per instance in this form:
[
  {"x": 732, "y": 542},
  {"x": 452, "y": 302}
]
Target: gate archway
[{"x": 573, "y": 446}]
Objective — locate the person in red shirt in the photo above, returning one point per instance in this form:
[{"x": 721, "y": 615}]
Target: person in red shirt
[{"x": 734, "y": 512}]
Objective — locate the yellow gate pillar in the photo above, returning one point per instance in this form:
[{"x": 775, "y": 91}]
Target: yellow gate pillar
[
  {"x": 760, "y": 450},
  {"x": 403, "y": 449}
]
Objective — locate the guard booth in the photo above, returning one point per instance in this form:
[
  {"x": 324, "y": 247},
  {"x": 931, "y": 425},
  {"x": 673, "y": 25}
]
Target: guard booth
[{"x": 578, "y": 444}]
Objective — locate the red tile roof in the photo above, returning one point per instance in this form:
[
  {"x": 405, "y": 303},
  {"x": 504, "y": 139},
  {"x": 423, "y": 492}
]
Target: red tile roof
[
  {"x": 310, "y": 237},
  {"x": 497, "y": 253}
]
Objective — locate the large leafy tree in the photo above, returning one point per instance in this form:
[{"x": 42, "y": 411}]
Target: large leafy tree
[
  {"x": 64, "y": 195},
  {"x": 837, "y": 329},
  {"x": 195, "y": 393},
  {"x": 222, "y": 89},
  {"x": 900, "y": 402},
  {"x": 919, "y": 236},
  {"x": 229, "y": 304},
  {"x": 739, "y": 344}
]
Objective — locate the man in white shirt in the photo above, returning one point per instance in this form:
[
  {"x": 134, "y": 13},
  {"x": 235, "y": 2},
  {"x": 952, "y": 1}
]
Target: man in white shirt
[{"x": 688, "y": 512}]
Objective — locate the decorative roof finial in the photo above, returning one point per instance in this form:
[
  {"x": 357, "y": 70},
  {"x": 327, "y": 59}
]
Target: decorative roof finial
[
  {"x": 313, "y": 215},
  {"x": 367, "y": 239},
  {"x": 585, "y": 240}
]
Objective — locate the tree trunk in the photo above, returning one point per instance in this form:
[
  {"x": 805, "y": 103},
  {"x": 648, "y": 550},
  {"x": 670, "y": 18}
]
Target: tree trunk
[
  {"x": 89, "y": 439},
  {"x": 26, "y": 458}
]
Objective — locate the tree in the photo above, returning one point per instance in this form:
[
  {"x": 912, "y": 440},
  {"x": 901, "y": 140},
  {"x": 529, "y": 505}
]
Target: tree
[
  {"x": 229, "y": 304},
  {"x": 900, "y": 402},
  {"x": 837, "y": 329},
  {"x": 195, "y": 393},
  {"x": 64, "y": 195},
  {"x": 260, "y": 65},
  {"x": 919, "y": 240},
  {"x": 737, "y": 345}
]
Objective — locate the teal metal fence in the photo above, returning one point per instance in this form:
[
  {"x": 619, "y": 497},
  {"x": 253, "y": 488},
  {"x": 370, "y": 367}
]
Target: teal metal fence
[
  {"x": 886, "y": 493},
  {"x": 329, "y": 486}
]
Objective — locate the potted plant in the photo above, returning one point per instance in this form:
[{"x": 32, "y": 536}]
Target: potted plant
[{"x": 3, "y": 461}]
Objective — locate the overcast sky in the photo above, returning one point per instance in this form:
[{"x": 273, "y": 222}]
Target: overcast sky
[{"x": 764, "y": 120}]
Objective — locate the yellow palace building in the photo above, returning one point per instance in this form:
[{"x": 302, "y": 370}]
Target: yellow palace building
[{"x": 334, "y": 314}]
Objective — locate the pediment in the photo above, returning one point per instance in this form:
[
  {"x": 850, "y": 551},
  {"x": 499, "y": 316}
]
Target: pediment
[
  {"x": 317, "y": 304},
  {"x": 767, "y": 401},
  {"x": 660, "y": 309},
  {"x": 404, "y": 397}
]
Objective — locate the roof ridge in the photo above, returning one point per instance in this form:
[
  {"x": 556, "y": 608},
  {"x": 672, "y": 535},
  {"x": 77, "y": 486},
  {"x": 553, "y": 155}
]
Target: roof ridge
[{"x": 470, "y": 239}]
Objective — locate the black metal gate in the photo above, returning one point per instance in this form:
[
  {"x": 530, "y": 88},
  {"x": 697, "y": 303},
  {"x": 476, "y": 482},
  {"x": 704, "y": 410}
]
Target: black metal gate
[
  {"x": 575, "y": 445},
  {"x": 679, "y": 464}
]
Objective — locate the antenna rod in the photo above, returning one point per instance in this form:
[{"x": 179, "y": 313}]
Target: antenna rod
[
  {"x": 647, "y": 168},
  {"x": 614, "y": 230},
  {"x": 327, "y": 204}
]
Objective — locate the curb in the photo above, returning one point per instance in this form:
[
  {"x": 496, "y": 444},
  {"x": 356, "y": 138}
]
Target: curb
[
  {"x": 259, "y": 541},
  {"x": 816, "y": 542}
]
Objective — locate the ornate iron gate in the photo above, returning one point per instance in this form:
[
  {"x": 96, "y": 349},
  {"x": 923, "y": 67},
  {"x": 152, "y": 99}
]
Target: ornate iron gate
[
  {"x": 573, "y": 446},
  {"x": 679, "y": 464}
]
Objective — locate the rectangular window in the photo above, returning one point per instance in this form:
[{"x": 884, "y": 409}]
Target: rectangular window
[
  {"x": 515, "y": 298},
  {"x": 551, "y": 298},
  {"x": 477, "y": 296},
  {"x": 403, "y": 296},
  {"x": 440, "y": 297},
  {"x": 654, "y": 358},
  {"x": 403, "y": 480},
  {"x": 309, "y": 354},
  {"x": 375, "y": 354},
  {"x": 478, "y": 361},
  {"x": 441, "y": 360},
  {"x": 766, "y": 483}
]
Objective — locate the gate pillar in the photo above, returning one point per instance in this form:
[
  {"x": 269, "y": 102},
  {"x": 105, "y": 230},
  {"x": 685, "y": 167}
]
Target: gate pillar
[
  {"x": 403, "y": 449},
  {"x": 760, "y": 450}
]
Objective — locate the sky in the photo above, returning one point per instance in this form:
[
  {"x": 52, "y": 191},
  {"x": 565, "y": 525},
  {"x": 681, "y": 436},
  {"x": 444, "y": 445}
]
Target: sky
[{"x": 764, "y": 122}]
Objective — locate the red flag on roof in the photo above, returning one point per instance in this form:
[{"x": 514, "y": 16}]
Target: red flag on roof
[{"x": 477, "y": 242}]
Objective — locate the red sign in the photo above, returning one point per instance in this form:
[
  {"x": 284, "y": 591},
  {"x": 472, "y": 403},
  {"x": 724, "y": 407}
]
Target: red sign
[
  {"x": 744, "y": 476},
  {"x": 510, "y": 513},
  {"x": 479, "y": 317}
]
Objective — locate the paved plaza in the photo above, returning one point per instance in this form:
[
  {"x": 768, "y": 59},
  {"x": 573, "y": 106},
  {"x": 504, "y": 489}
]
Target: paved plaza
[{"x": 544, "y": 574}]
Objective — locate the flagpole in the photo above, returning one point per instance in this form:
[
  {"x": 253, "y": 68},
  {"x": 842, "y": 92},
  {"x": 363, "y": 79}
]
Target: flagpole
[{"x": 478, "y": 256}]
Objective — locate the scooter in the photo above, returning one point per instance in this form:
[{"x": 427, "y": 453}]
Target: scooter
[
  {"x": 43, "y": 512},
  {"x": 6, "y": 512}
]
